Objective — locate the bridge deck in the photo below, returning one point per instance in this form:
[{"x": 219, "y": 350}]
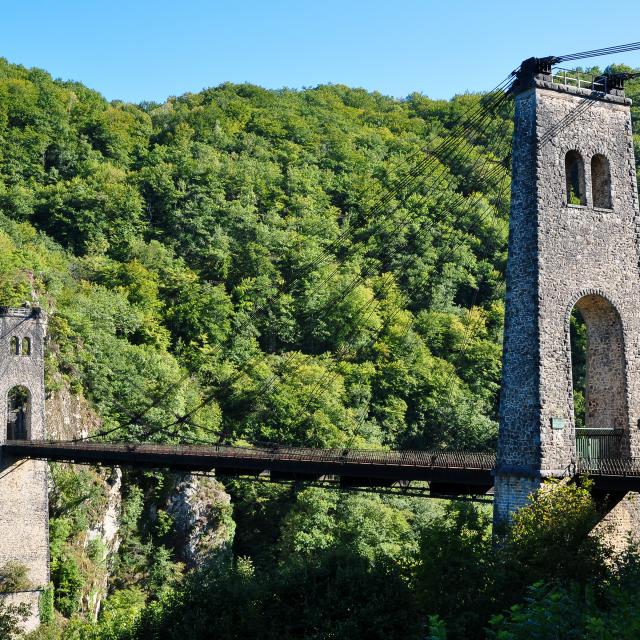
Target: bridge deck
[
  {"x": 462, "y": 472},
  {"x": 450, "y": 472},
  {"x": 612, "y": 474}
]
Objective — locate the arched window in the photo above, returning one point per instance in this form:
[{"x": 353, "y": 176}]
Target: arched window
[
  {"x": 601, "y": 181},
  {"x": 15, "y": 346},
  {"x": 26, "y": 346},
  {"x": 18, "y": 414},
  {"x": 574, "y": 171}
]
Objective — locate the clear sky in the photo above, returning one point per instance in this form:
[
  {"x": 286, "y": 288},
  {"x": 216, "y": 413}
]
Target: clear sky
[{"x": 150, "y": 49}]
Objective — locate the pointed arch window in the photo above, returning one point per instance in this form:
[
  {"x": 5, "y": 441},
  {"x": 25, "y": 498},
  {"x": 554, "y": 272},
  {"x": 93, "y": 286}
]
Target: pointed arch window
[
  {"x": 601, "y": 182},
  {"x": 574, "y": 172},
  {"x": 14, "y": 346},
  {"x": 26, "y": 346}
]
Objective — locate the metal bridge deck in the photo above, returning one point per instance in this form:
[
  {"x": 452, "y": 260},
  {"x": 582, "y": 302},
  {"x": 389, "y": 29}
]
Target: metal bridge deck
[
  {"x": 448, "y": 472},
  {"x": 455, "y": 472}
]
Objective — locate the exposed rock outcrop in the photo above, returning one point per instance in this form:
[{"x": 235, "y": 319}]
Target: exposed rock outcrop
[
  {"x": 201, "y": 511},
  {"x": 69, "y": 416},
  {"x": 198, "y": 510},
  {"x": 104, "y": 535}
]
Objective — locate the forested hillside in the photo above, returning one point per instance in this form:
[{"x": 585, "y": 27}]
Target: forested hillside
[{"x": 228, "y": 267}]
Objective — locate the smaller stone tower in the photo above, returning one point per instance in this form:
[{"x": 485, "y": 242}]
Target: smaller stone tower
[{"x": 24, "y": 533}]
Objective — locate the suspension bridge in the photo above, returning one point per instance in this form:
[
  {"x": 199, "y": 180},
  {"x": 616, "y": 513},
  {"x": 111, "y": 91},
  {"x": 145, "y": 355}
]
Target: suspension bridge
[
  {"x": 448, "y": 473},
  {"x": 574, "y": 243},
  {"x": 445, "y": 472}
]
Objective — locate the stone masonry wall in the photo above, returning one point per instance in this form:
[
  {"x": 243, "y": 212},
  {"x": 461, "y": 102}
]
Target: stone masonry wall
[
  {"x": 31, "y": 599},
  {"x": 518, "y": 453},
  {"x": 24, "y": 534},
  {"x": 587, "y": 257},
  {"x": 560, "y": 256}
]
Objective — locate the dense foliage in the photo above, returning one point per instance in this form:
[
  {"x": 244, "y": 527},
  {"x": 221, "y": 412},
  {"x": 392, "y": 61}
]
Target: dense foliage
[
  {"x": 244, "y": 265},
  {"x": 372, "y": 576},
  {"x": 232, "y": 236}
]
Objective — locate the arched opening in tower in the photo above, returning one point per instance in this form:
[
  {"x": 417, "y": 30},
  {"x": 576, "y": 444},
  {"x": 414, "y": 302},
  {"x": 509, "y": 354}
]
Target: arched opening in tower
[
  {"x": 18, "y": 414},
  {"x": 598, "y": 379},
  {"x": 601, "y": 182},
  {"x": 575, "y": 178}
]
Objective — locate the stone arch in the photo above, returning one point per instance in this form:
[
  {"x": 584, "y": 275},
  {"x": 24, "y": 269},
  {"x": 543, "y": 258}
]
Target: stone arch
[
  {"x": 26, "y": 346},
  {"x": 606, "y": 407},
  {"x": 19, "y": 413},
  {"x": 601, "y": 181},
  {"x": 598, "y": 293},
  {"x": 14, "y": 346},
  {"x": 576, "y": 192}
]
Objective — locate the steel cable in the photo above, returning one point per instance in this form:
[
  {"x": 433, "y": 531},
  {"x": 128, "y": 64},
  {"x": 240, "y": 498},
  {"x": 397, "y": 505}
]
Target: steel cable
[
  {"x": 305, "y": 359},
  {"x": 476, "y": 116}
]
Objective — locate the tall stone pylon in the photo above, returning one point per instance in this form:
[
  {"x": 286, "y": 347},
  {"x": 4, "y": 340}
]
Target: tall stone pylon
[
  {"x": 24, "y": 525},
  {"x": 573, "y": 243}
]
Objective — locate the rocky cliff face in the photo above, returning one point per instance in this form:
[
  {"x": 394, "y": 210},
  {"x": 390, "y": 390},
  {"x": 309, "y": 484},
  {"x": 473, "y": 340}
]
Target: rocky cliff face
[
  {"x": 103, "y": 539},
  {"x": 69, "y": 415},
  {"x": 201, "y": 512},
  {"x": 199, "y": 508}
]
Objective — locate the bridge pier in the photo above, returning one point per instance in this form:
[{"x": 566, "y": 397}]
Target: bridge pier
[
  {"x": 620, "y": 522},
  {"x": 24, "y": 503},
  {"x": 619, "y": 510},
  {"x": 511, "y": 492},
  {"x": 574, "y": 244}
]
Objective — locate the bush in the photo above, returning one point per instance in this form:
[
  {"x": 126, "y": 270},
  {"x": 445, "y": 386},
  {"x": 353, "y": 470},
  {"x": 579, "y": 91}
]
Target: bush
[
  {"x": 46, "y": 605},
  {"x": 550, "y": 539},
  {"x": 69, "y": 581},
  {"x": 11, "y": 618},
  {"x": 334, "y": 595},
  {"x": 14, "y": 576},
  {"x": 455, "y": 572},
  {"x": 466, "y": 579}
]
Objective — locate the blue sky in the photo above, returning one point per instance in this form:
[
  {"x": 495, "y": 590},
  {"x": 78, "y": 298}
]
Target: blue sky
[{"x": 148, "y": 50}]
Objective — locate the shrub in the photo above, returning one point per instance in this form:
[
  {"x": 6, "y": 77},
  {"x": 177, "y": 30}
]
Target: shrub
[{"x": 14, "y": 576}]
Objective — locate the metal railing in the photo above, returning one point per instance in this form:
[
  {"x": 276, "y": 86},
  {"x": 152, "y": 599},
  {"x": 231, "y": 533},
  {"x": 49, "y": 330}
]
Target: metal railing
[
  {"x": 627, "y": 467},
  {"x": 596, "y": 445},
  {"x": 425, "y": 459},
  {"x": 602, "y": 455},
  {"x": 569, "y": 78}
]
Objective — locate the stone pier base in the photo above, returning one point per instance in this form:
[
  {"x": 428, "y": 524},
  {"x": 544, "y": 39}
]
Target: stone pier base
[
  {"x": 619, "y": 526},
  {"x": 621, "y": 522},
  {"x": 511, "y": 493}
]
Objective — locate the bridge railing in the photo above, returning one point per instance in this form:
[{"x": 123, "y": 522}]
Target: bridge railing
[
  {"x": 409, "y": 458},
  {"x": 603, "y": 461},
  {"x": 597, "y": 447},
  {"x": 620, "y": 467}
]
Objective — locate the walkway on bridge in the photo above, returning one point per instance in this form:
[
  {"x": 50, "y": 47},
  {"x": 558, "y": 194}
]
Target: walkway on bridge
[{"x": 447, "y": 472}]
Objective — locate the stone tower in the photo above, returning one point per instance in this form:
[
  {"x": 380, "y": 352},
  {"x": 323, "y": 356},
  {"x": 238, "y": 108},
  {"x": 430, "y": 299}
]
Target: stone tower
[
  {"x": 24, "y": 535},
  {"x": 573, "y": 243}
]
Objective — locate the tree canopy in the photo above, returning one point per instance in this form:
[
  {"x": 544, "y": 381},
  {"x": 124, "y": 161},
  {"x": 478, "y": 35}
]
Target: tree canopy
[{"x": 245, "y": 265}]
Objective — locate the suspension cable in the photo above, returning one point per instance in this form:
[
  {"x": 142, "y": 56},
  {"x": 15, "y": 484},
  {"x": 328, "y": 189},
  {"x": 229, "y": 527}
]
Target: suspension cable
[
  {"x": 594, "y": 53},
  {"x": 373, "y": 301},
  {"x": 450, "y": 150},
  {"x": 475, "y": 117},
  {"x": 371, "y": 306}
]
